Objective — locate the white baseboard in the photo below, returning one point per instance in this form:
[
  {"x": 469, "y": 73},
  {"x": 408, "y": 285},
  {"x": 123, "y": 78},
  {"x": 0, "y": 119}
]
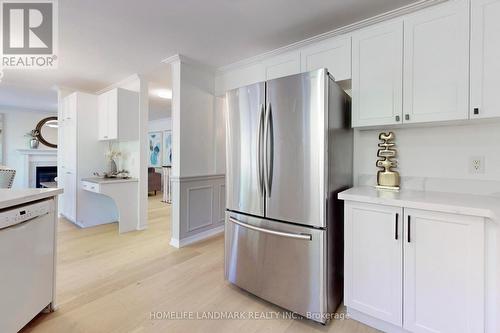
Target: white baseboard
[
  {"x": 197, "y": 238},
  {"x": 374, "y": 322},
  {"x": 174, "y": 242}
]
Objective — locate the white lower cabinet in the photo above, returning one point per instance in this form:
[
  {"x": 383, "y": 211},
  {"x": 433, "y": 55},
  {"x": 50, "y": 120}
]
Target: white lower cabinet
[
  {"x": 373, "y": 261},
  {"x": 443, "y": 272},
  {"x": 409, "y": 270}
]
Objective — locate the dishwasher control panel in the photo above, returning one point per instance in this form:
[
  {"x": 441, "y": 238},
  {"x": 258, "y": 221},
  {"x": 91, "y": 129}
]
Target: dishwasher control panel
[{"x": 20, "y": 214}]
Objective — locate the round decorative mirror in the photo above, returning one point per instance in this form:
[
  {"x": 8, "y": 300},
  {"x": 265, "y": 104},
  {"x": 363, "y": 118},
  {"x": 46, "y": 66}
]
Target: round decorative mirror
[{"x": 47, "y": 131}]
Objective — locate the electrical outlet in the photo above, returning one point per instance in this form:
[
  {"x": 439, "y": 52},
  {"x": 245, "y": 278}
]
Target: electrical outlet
[{"x": 476, "y": 165}]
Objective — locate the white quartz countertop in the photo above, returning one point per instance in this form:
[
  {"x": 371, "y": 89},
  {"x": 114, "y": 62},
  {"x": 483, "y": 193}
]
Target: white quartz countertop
[
  {"x": 98, "y": 180},
  {"x": 455, "y": 203},
  {"x": 14, "y": 197}
]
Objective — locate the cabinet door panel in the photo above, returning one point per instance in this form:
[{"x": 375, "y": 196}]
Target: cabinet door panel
[
  {"x": 377, "y": 75},
  {"x": 70, "y": 195},
  {"x": 485, "y": 55},
  {"x": 436, "y": 59},
  {"x": 70, "y": 134},
  {"x": 333, "y": 54},
  {"x": 282, "y": 65},
  {"x": 443, "y": 273},
  {"x": 373, "y": 261},
  {"x": 103, "y": 116},
  {"x": 112, "y": 113}
]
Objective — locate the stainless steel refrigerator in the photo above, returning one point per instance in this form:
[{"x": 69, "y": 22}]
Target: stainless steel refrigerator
[{"x": 289, "y": 152}]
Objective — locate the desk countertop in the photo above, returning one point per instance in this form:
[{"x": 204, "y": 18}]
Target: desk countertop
[{"x": 98, "y": 180}]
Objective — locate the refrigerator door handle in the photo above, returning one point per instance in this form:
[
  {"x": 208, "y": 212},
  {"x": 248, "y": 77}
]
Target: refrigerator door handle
[
  {"x": 260, "y": 150},
  {"x": 268, "y": 155},
  {"x": 272, "y": 232}
]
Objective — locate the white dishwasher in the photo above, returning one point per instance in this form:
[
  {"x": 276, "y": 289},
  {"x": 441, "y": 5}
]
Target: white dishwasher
[{"x": 27, "y": 234}]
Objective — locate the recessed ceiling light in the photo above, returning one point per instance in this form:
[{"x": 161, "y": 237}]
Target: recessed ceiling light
[{"x": 166, "y": 94}]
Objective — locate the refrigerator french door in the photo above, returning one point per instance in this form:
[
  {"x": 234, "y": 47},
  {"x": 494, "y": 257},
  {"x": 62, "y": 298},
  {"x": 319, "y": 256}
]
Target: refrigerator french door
[
  {"x": 244, "y": 134},
  {"x": 295, "y": 131},
  {"x": 289, "y": 149}
]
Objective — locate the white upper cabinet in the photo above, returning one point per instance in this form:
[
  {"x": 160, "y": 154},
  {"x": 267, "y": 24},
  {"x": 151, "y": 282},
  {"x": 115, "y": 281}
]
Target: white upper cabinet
[
  {"x": 333, "y": 54},
  {"x": 377, "y": 75},
  {"x": 282, "y": 65},
  {"x": 443, "y": 272},
  {"x": 436, "y": 57},
  {"x": 239, "y": 77},
  {"x": 118, "y": 115},
  {"x": 485, "y": 58},
  {"x": 374, "y": 261}
]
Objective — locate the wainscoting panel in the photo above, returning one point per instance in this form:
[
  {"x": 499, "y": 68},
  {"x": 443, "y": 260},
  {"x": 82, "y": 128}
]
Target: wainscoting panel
[{"x": 200, "y": 203}]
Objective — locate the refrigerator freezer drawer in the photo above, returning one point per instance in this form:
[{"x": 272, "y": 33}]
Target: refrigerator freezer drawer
[{"x": 279, "y": 262}]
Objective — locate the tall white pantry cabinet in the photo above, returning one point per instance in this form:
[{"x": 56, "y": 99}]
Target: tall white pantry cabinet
[{"x": 80, "y": 154}]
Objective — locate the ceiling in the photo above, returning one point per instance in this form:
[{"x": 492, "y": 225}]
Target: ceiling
[
  {"x": 101, "y": 42},
  {"x": 28, "y": 98}
]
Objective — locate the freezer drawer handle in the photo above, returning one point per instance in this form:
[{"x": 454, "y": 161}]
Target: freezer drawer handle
[{"x": 272, "y": 232}]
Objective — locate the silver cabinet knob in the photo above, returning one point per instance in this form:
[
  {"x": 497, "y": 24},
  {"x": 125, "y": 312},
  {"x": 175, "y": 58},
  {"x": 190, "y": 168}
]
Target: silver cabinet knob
[
  {"x": 398, "y": 118},
  {"x": 407, "y": 116}
]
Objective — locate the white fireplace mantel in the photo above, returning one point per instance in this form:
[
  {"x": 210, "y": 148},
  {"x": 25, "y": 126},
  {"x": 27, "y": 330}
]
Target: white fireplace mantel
[
  {"x": 40, "y": 152},
  {"x": 32, "y": 159}
]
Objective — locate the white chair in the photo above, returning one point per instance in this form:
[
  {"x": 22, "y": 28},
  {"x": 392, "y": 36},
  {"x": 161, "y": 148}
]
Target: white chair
[{"x": 6, "y": 177}]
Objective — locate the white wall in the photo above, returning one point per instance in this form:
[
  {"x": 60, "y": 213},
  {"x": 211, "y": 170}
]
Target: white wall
[
  {"x": 197, "y": 122},
  {"x": 17, "y": 123},
  {"x": 220, "y": 135},
  {"x": 427, "y": 154},
  {"x": 198, "y": 191}
]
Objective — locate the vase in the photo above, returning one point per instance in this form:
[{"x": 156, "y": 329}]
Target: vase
[
  {"x": 112, "y": 167},
  {"x": 34, "y": 143},
  {"x": 118, "y": 163}
]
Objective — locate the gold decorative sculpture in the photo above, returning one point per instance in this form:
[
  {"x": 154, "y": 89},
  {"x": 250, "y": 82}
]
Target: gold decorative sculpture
[{"x": 387, "y": 178}]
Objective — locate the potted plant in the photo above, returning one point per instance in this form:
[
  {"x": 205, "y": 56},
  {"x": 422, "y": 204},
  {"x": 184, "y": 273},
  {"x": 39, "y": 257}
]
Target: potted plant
[{"x": 33, "y": 135}]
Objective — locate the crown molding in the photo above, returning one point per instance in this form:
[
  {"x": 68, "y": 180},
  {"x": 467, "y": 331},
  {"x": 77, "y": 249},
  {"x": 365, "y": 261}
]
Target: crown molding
[
  {"x": 70, "y": 89},
  {"x": 173, "y": 58},
  {"x": 186, "y": 60},
  {"x": 118, "y": 84},
  {"x": 333, "y": 33}
]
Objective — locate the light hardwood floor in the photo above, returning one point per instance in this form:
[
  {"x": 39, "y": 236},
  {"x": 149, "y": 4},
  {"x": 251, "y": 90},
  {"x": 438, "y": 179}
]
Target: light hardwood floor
[{"x": 108, "y": 282}]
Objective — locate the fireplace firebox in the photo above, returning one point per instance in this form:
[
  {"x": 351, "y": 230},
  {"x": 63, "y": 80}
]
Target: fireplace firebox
[{"x": 45, "y": 174}]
